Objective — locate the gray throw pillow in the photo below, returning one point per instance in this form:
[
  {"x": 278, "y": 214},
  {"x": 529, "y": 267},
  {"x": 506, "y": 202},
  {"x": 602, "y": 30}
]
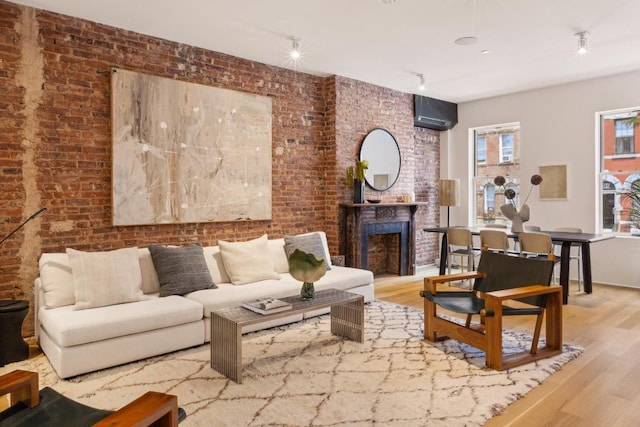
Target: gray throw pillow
[
  {"x": 181, "y": 270},
  {"x": 309, "y": 243}
]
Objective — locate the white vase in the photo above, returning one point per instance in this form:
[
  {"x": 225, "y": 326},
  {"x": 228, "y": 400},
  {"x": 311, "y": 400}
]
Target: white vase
[{"x": 518, "y": 218}]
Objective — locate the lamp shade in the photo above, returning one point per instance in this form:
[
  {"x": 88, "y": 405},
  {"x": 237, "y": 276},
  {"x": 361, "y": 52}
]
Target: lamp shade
[{"x": 449, "y": 192}]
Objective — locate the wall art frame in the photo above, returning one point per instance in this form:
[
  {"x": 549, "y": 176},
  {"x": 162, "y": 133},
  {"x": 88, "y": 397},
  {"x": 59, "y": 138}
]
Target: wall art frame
[
  {"x": 554, "y": 182},
  {"x": 185, "y": 152}
]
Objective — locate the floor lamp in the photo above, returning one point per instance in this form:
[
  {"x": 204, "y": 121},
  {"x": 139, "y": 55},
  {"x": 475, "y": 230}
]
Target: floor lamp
[{"x": 449, "y": 194}]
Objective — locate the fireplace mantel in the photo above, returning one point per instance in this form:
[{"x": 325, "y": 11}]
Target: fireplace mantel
[{"x": 360, "y": 220}]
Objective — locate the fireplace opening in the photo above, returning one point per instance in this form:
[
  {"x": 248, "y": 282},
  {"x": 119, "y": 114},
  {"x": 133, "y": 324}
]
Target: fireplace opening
[{"x": 383, "y": 255}]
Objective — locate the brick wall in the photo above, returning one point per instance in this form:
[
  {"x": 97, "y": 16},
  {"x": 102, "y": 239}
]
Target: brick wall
[
  {"x": 55, "y": 148},
  {"x": 361, "y": 107}
]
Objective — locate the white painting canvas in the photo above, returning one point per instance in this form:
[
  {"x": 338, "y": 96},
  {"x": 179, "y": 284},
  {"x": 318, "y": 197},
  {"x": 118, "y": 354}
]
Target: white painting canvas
[{"x": 184, "y": 152}]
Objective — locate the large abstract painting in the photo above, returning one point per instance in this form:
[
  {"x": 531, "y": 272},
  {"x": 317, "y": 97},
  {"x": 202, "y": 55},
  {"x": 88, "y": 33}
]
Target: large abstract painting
[{"x": 185, "y": 152}]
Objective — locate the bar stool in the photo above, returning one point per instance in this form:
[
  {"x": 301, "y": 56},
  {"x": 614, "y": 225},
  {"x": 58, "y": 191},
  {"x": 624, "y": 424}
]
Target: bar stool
[
  {"x": 12, "y": 314},
  {"x": 537, "y": 245},
  {"x": 461, "y": 245},
  {"x": 494, "y": 240},
  {"x": 574, "y": 256}
]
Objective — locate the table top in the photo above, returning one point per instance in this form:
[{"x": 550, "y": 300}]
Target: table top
[
  {"x": 556, "y": 236},
  {"x": 322, "y": 299}
]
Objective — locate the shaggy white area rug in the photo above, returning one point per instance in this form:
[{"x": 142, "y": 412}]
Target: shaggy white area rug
[{"x": 302, "y": 375}]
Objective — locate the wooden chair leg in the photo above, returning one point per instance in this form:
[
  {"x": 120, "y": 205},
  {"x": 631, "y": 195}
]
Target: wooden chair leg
[
  {"x": 429, "y": 315},
  {"x": 536, "y": 333},
  {"x": 554, "y": 321},
  {"x": 468, "y": 322},
  {"x": 493, "y": 334}
]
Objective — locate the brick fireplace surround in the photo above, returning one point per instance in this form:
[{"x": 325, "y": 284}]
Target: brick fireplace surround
[
  {"x": 55, "y": 144},
  {"x": 360, "y": 222}
]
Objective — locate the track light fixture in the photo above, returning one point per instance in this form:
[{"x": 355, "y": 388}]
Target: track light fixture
[
  {"x": 295, "y": 53},
  {"x": 422, "y": 86},
  {"x": 582, "y": 42}
]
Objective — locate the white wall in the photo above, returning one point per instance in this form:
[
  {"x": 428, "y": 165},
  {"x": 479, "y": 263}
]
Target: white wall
[{"x": 558, "y": 126}]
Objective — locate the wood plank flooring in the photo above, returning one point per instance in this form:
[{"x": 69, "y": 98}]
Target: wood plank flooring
[{"x": 600, "y": 388}]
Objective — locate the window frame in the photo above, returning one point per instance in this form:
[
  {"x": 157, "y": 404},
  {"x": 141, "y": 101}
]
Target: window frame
[
  {"x": 618, "y": 167},
  {"x": 482, "y": 160},
  {"x": 502, "y": 148},
  {"x": 482, "y": 174},
  {"x": 621, "y": 141}
]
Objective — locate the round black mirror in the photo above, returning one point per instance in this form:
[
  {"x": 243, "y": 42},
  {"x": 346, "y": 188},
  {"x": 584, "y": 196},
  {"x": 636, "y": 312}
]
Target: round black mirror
[{"x": 381, "y": 150}]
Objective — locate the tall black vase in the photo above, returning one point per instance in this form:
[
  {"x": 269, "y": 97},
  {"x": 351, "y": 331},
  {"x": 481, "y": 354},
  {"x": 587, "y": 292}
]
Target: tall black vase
[{"x": 358, "y": 191}]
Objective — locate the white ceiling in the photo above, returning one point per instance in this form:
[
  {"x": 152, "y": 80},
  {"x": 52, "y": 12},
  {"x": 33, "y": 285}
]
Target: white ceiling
[{"x": 532, "y": 42}]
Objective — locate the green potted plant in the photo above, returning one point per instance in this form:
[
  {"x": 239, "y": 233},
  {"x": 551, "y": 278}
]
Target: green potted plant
[
  {"x": 632, "y": 196},
  {"x": 355, "y": 178},
  {"x": 307, "y": 268}
]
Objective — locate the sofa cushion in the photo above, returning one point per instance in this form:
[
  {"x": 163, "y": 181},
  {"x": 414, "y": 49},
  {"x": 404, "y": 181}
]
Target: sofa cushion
[
  {"x": 57, "y": 280},
  {"x": 213, "y": 257},
  {"x": 68, "y": 327},
  {"x": 247, "y": 262},
  {"x": 278, "y": 255},
  {"x": 181, "y": 270},
  {"x": 105, "y": 278},
  {"x": 150, "y": 282},
  {"x": 228, "y": 295},
  {"x": 309, "y": 243}
]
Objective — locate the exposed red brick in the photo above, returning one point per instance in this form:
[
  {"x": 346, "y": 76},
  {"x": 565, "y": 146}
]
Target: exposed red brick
[{"x": 318, "y": 125}]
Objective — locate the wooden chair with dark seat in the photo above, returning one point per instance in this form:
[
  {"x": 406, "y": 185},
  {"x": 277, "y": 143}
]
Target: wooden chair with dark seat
[
  {"x": 499, "y": 278},
  {"x": 29, "y": 406}
]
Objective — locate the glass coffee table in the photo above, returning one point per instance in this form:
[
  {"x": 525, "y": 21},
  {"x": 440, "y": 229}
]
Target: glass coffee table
[{"x": 347, "y": 320}]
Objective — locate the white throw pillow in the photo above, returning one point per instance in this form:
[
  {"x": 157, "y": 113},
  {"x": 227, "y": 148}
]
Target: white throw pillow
[
  {"x": 105, "y": 278},
  {"x": 247, "y": 262},
  {"x": 56, "y": 280}
]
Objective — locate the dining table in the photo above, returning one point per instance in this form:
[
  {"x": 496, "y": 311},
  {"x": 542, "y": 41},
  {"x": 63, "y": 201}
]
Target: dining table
[{"x": 565, "y": 239}]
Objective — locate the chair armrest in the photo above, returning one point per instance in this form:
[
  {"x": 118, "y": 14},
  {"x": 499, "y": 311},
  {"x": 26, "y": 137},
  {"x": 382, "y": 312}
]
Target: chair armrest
[
  {"x": 431, "y": 282},
  {"x": 525, "y": 291},
  {"x": 21, "y": 386},
  {"x": 152, "y": 407}
]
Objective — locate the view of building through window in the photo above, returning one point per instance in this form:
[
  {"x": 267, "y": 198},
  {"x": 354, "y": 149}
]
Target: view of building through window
[
  {"x": 497, "y": 152},
  {"x": 620, "y": 168}
]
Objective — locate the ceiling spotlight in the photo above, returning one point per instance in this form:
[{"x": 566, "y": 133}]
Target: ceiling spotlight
[
  {"x": 422, "y": 86},
  {"x": 295, "y": 53},
  {"x": 466, "y": 41},
  {"x": 582, "y": 42}
]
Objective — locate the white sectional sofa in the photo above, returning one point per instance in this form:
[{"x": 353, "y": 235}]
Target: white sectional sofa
[{"x": 77, "y": 341}]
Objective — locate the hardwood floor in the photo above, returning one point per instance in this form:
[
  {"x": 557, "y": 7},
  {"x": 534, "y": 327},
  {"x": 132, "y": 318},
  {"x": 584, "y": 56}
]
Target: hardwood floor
[{"x": 599, "y": 388}]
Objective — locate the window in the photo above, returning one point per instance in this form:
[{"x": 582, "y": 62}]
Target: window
[
  {"x": 506, "y": 147},
  {"x": 496, "y": 153},
  {"x": 624, "y": 136},
  {"x": 481, "y": 149},
  {"x": 489, "y": 199},
  {"x": 619, "y": 170},
  {"x": 608, "y": 205}
]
